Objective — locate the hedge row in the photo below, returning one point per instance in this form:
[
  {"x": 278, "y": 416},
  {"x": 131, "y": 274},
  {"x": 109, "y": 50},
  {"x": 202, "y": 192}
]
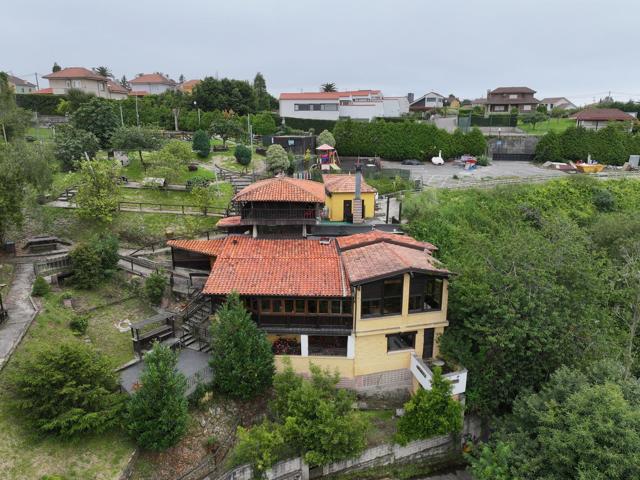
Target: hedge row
[
  {"x": 43, "y": 104},
  {"x": 611, "y": 145},
  {"x": 399, "y": 141}
]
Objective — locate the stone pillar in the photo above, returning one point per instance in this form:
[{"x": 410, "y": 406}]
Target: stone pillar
[
  {"x": 357, "y": 210},
  {"x": 255, "y": 231},
  {"x": 351, "y": 346},
  {"x": 304, "y": 345}
]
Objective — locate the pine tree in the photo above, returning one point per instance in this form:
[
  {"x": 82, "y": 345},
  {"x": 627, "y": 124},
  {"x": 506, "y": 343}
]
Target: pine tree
[
  {"x": 56, "y": 67},
  {"x": 241, "y": 356},
  {"x": 157, "y": 412},
  {"x": 201, "y": 143}
]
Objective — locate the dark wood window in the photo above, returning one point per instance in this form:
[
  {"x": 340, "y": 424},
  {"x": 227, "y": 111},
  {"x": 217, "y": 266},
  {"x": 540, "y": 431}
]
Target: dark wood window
[
  {"x": 401, "y": 341},
  {"x": 276, "y": 306},
  {"x": 429, "y": 335},
  {"x": 312, "y": 306},
  {"x": 323, "y": 306},
  {"x": 265, "y": 305},
  {"x": 288, "y": 306},
  {"x": 300, "y": 306},
  {"x": 336, "y": 306},
  {"x": 335, "y": 346},
  {"x": 425, "y": 293},
  {"x": 382, "y": 298}
]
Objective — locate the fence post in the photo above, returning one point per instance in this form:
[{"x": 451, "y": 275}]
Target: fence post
[
  {"x": 399, "y": 212},
  {"x": 388, "y": 202}
]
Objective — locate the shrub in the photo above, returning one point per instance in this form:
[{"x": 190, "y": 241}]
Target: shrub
[
  {"x": 40, "y": 287},
  {"x": 604, "y": 200},
  {"x": 241, "y": 355},
  {"x": 201, "y": 143},
  {"x": 198, "y": 181},
  {"x": 67, "y": 389},
  {"x": 483, "y": 160},
  {"x": 277, "y": 159},
  {"x": 261, "y": 447},
  {"x": 430, "y": 412},
  {"x": 154, "y": 287},
  {"x": 93, "y": 261},
  {"x": 72, "y": 143},
  {"x": 326, "y": 137},
  {"x": 79, "y": 324},
  {"x": 263, "y": 123},
  {"x": 157, "y": 414},
  {"x": 243, "y": 155}
]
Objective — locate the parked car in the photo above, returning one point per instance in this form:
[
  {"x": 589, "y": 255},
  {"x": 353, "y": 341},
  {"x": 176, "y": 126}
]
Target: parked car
[{"x": 411, "y": 161}]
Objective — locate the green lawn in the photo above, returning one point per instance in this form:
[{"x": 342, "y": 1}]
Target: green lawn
[
  {"x": 173, "y": 197},
  {"x": 135, "y": 172},
  {"x": 40, "y": 133},
  {"x": 557, "y": 125},
  {"x": 25, "y": 455}
]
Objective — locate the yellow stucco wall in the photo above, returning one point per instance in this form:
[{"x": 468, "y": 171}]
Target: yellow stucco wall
[
  {"x": 335, "y": 204},
  {"x": 343, "y": 365}
]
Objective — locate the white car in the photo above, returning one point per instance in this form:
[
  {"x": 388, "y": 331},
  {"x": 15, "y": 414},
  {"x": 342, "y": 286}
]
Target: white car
[{"x": 438, "y": 160}]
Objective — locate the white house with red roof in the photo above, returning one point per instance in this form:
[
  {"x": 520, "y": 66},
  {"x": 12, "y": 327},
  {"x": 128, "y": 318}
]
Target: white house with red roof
[
  {"x": 356, "y": 104},
  {"x": 152, "y": 83},
  {"x": 79, "y": 78}
]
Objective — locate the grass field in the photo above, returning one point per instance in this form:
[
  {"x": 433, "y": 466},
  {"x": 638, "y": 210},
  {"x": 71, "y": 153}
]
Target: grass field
[
  {"x": 173, "y": 197},
  {"x": 26, "y": 455},
  {"x": 135, "y": 172},
  {"x": 40, "y": 133},
  {"x": 557, "y": 125}
]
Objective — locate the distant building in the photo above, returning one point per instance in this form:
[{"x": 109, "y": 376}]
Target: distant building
[
  {"x": 152, "y": 83},
  {"x": 21, "y": 86},
  {"x": 116, "y": 91},
  {"x": 428, "y": 101},
  {"x": 357, "y": 104},
  {"x": 557, "y": 102},
  {"x": 79, "y": 78},
  {"x": 503, "y": 99},
  {"x": 188, "y": 86},
  {"x": 598, "y": 118}
]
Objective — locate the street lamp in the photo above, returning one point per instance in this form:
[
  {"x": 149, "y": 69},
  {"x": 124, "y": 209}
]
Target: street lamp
[{"x": 195, "y": 104}]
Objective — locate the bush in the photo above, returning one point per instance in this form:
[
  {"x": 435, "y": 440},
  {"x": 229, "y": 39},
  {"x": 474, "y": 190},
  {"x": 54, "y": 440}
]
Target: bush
[
  {"x": 93, "y": 261},
  {"x": 277, "y": 159},
  {"x": 398, "y": 141},
  {"x": 201, "y": 143},
  {"x": 241, "y": 356},
  {"x": 67, "y": 389},
  {"x": 430, "y": 412},
  {"x": 604, "y": 200},
  {"x": 154, "y": 287},
  {"x": 326, "y": 137},
  {"x": 263, "y": 124},
  {"x": 157, "y": 414},
  {"x": 483, "y": 160},
  {"x": 72, "y": 143},
  {"x": 243, "y": 155},
  {"x": 40, "y": 287},
  {"x": 198, "y": 181},
  {"x": 261, "y": 447},
  {"x": 43, "y": 104},
  {"x": 79, "y": 324}
]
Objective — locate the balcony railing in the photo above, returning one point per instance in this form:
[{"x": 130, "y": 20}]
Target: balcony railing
[
  {"x": 293, "y": 215},
  {"x": 300, "y": 324},
  {"x": 424, "y": 376}
]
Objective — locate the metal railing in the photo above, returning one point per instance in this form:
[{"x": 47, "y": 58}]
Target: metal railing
[{"x": 51, "y": 266}]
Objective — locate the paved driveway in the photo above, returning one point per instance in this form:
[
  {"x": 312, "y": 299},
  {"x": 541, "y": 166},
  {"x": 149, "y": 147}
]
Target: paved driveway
[{"x": 442, "y": 175}]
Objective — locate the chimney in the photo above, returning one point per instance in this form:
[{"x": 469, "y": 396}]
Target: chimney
[
  {"x": 358, "y": 180},
  {"x": 410, "y": 97},
  {"x": 357, "y": 206}
]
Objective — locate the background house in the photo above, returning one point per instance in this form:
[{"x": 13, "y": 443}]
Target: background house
[
  {"x": 80, "y": 78},
  {"x": 152, "y": 83},
  {"x": 598, "y": 118},
  {"x": 188, "y": 86},
  {"x": 503, "y": 99},
  {"x": 428, "y": 101},
  {"x": 21, "y": 86},
  {"x": 557, "y": 102},
  {"x": 116, "y": 91},
  {"x": 356, "y": 104}
]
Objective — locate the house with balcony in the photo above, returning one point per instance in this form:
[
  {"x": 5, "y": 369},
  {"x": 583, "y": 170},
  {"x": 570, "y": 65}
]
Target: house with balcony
[
  {"x": 504, "y": 99},
  {"x": 371, "y": 306}
]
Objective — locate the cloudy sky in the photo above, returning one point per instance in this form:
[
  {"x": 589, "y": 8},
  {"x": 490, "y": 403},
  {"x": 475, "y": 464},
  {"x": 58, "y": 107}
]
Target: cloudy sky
[{"x": 576, "y": 48}]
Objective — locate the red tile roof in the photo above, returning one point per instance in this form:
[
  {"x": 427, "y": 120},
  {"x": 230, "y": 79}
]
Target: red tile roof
[
  {"x": 383, "y": 259},
  {"x": 327, "y": 95},
  {"x": 501, "y": 90},
  {"x": 305, "y": 268},
  {"x": 188, "y": 85},
  {"x": 604, "y": 114},
  {"x": 19, "y": 82},
  {"x": 155, "y": 78},
  {"x": 377, "y": 236},
  {"x": 336, "y": 183},
  {"x": 227, "y": 222},
  {"x": 282, "y": 189},
  {"x": 45, "y": 91},
  {"x": 115, "y": 87},
  {"x": 75, "y": 72}
]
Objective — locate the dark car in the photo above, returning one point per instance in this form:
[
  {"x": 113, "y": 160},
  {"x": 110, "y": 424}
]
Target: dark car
[{"x": 411, "y": 161}]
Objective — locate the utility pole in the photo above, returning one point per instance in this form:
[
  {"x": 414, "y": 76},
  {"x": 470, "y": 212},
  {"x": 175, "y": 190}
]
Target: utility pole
[
  {"x": 121, "y": 116},
  {"x": 137, "y": 113},
  {"x": 37, "y": 84},
  {"x": 250, "y": 132}
]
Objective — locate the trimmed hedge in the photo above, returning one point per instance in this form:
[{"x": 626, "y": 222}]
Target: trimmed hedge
[
  {"x": 399, "y": 141},
  {"x": 497, "y": 120},
  {"x": 610, "y": 145},
  {"x": 43, "y": 104}
]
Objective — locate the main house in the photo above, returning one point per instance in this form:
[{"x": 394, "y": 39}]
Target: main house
[
  {"x": 503, "y": 99},
  {"x": 369, "y": 305},
  {"x": 152, "y": 83},
  {"x": 356, "y": 104}
]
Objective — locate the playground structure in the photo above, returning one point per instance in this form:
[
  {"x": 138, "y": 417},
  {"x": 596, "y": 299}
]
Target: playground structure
[{"x": 328, "y": 159}]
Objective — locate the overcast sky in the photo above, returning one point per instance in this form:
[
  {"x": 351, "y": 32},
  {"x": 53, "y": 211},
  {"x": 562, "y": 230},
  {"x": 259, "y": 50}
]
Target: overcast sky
[{"x": 575, "y": 48}]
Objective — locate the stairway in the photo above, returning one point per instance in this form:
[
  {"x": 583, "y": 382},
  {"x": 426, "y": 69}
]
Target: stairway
[
  {"x": 67, "y": 195},
  {"x": 238, "y": 180},
  {"x": 195, "y": 325}
]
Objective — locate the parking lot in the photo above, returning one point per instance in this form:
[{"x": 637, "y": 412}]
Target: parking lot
[{"x": 443, "y": 175}]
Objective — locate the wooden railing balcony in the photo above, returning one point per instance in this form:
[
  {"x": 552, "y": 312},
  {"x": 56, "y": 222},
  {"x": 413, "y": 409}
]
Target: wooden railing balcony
[
  {"x": 307, "y": 324},
  {"x": 275, "y": 216}
]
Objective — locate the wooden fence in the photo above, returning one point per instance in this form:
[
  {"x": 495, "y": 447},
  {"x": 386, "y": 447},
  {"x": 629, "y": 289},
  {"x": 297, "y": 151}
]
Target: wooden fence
[
  {"x": 48, "y": 267},
  {"x": 180, "y": 209}
]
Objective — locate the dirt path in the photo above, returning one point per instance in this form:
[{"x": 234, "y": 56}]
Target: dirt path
[{"x": 21, "y": 311}]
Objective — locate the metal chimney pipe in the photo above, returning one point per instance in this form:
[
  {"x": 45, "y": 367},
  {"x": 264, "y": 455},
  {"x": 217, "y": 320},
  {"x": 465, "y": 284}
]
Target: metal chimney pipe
[{"x": 358, "y": 180}]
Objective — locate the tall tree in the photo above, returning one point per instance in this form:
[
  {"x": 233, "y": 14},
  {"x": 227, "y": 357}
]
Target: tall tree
[
  {"x": 12, "y": 190},
  {"x": 56, "y": 67},
  {"x": 262, "y": 96},
  {"x": 124, "y": 82},
  {"x": 328, "y": 87},
  {"x": 98, "y": 191},
  {"x": 104, "y": 71},
  {"x": 14, "y": 121},
  {"x": 181, "y": 78},
  {"x": 225, "y": 94},
  {"x": 137, "y": 138},
  {"x": 99, "y": 117},
  {"x": 241, "y": 355},
  {"x": 226, "y": 124},
  {"x": 201, "y": 143},
  {"x": 158, "y": 412},
  {"x": 73, "y": 145}
]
